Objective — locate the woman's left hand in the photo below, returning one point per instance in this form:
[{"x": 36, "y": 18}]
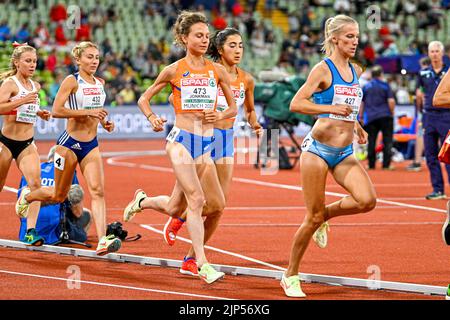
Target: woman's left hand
[
  {"x": 361, "y": 134},
  {"x": 44, "y": 114},
  {"x": 108, "y": 125},
  {"x": 258, "y": 130},
  {"x": 211, "y": 116}
]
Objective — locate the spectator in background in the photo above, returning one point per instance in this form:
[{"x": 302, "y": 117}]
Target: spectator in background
[
  {"x": 23, "y": 35},
  {"x": 294, "y": 22},
  {"x": 342, "y": 6},
  {"x": 128, "y": 94},
  {"x": 52, "y": 61},
  {"x": 237, "y": 9},
  {"x": 118, "y": 101},
  {"x": 58, "y": 13},
  {"x": 106, "y": 47},
  {"x": 83, "y": 33},
  {"x": 97, "y": 18},
  {"x": 249, "y": 22},
  {"x": 416, "y": 165},
  {"x": 60, "y": 36},
  {"x": 111, "y": 13},
  {"x": 54, "y": 86},
  {"x": 41, "y": 35},
  {"x": 436, "y": 120},
  {"x": 402, "y": 94},
  {"x": 377, "y": 109},
  {"x": 5, "y": 31},
  {"x": 220, "y": 21},
  {"x": 251, "y": 5}
]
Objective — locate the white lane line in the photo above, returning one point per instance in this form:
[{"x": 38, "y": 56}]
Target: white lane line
[
  {"x": 114, "y": 161},
  {"x": 148, "y": 227},
  {"x": 13, "y": 190},
  {"x": 113, "y": 285},
  {"x": 356, "y": 224},
  {"x": 334, "y": 194}
]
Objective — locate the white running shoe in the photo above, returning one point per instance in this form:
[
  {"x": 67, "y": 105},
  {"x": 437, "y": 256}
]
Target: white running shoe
[
  {"x": 133, "y": 207},
  {"x": 22, "y": 204},
  {"x": 108, "y": 244},
  {"x": 209, "y": 274},
  {"x": 291, "y": 286},
  {"x": 320, "y": 237}
]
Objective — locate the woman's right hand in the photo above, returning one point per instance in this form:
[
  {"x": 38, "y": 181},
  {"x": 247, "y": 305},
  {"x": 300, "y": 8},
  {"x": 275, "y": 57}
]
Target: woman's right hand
[
  {"x": 341, "y": 110},
  {"x": 99, "y": 113},
  {"x": 157, "y": 123},
  {"x": 30, "y": 98}
]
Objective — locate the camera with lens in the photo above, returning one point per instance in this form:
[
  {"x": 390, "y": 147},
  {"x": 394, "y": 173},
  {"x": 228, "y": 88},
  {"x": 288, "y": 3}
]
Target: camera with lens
[{"x": 116, "y": 229}]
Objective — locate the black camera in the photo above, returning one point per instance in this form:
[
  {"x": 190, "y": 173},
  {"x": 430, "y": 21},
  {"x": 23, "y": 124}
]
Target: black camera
[{"x": 116, "y": 229}]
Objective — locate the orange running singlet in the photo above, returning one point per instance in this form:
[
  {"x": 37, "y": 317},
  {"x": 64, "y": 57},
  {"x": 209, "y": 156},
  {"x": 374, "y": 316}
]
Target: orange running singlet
[
  {"x": 194, "y": 90},
  {"x": 238, "y": 88}
]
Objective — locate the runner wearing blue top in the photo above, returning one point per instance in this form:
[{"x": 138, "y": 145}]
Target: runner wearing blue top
[
  {"x": 436, "y": 120},
  {"x": 333, "y": 83}
]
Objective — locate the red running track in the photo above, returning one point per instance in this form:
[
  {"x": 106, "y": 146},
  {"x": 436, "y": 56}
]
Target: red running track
[{"x": 402, "y": 242}]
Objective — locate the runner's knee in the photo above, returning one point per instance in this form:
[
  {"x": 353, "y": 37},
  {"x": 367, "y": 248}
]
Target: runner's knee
[{"x": 366, "y": 203}]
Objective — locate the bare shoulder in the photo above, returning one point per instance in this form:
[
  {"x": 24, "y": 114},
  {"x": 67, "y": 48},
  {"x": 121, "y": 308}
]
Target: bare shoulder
[
  {"x": 70, "y": 79},
  {"x": 319, "y": 71},
  {"x": 321, "y": 67},
  {"x": 219, "y": 67},
  {"x": 70, "y": 83},
  {"x": 102, "y": 81},
  {"x": 37, "y": 85},
  {"x": 9, "y": 84},
  {"x": 169, "y": 71},
  {"x": 248, "y": 77},
  {"x": 358, "y": 69}
]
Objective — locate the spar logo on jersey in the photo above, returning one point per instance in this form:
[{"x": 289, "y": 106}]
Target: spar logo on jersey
[
  {"x": 236, "y": 93},
  {"x": 92, "y": 91},
  {"x": 348, "y": 91},
  {"x": 195, "y": 82}
]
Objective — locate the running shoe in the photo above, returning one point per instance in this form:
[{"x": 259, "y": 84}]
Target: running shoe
[
  {"x": 447, "y": 296},
  {"x": 446, "y": 227},
  {"x": 22, "y": 204},
  {"x": 320, "y": 236},
  {"x": 435, "y": 195},
  {"x": 171, "y": 229},
  {"x": 32, "y": 238},
  {"x": 414, "y": 167},
  {"x": 134, "y": 206},
  {"x": 209, "y": 274},
  {"x": 189, "y": 266},
  {"x": 291, "y": 286},
  {"x": 108, "y": 244}
]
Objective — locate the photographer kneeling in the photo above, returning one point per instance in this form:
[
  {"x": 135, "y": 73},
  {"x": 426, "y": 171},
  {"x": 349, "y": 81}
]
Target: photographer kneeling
[{"x": 49, "y": 222}]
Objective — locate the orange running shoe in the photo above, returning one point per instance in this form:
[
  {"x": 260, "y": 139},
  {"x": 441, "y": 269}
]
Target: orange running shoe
[
  {"x": 171, "y": 229},
  {"x": 189, "y": 267}
]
